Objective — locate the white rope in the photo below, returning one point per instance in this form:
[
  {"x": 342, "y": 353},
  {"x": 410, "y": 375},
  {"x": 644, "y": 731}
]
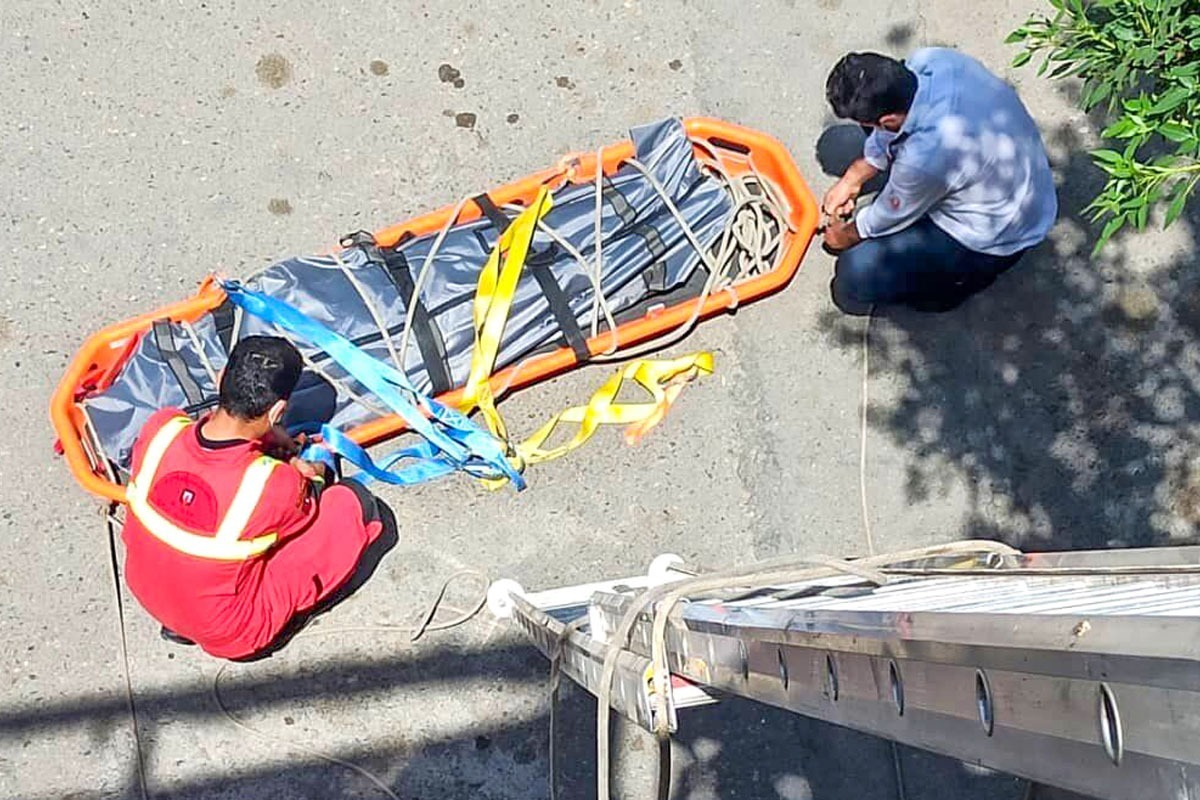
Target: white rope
[
  {"x": 598, "y": 276},
  {"x": 419, "y": 281},
  {"x": 196, "y": 343},
  {"x": 372, "y": 310},
  {"x": 862, "y": 448},
  {"x": 339, "y": 384},
  {"x": 424, "y": 624}
]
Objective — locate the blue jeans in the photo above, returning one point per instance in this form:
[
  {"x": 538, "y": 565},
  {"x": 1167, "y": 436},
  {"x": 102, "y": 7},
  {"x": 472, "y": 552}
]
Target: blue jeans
[{"x": 920, "y": 266}]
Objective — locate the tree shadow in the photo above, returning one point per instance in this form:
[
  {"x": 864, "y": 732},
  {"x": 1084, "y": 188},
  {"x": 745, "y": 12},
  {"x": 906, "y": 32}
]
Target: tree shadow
[{"x": 1066, "y": 395}]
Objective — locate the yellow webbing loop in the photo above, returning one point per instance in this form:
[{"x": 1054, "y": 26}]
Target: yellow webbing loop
[
  {"x": 664, "y": 380},
  {"x": 493, "y": 299}
]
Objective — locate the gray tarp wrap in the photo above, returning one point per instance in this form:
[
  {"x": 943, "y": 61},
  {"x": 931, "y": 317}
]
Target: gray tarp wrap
[{"x": 636, "y": 225}]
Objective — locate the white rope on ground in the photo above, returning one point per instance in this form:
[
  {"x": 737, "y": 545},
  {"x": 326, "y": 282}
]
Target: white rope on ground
[
  {"x": 425, "y": 623},
  {"x": 862, "y": 446},
  {"x": 897, "y": 766}
]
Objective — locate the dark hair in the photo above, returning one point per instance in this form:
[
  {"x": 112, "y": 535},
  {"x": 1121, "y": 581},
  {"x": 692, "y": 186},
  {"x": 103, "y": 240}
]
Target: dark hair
[
  {"x": 866, "y": 86},
  {"x": 261, "y": 371}
]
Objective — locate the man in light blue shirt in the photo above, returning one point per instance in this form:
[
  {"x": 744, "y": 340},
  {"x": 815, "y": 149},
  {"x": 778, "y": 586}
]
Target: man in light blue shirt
[{"x": 969, "y": 187}]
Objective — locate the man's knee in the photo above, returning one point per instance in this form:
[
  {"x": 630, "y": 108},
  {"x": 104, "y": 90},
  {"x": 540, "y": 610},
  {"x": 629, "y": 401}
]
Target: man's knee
[
  {"x": 366, "y": 500},
  {"x": 856, "y": 279}
]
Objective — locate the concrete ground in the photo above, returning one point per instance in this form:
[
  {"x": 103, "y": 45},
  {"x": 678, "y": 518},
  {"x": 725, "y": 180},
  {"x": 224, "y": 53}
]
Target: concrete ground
[{"x": 145, "y": 144}]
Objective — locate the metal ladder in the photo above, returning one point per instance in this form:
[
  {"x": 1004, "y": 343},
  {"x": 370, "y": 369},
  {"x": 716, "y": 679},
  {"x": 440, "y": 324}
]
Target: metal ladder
[{"x": 1079, "y": 670}]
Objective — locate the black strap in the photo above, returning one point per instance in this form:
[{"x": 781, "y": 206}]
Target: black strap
[
  {"x": 164, "y": 339},
  {"x": 653, "y": 240},
  {"x": 492, "y": 212},
  {"x": 655, "y": 274},
  {"x": 618, "y": 202},
  {"x": 560, "y": 307},
  {"x": 223, "y": 318},
  {"x": 429, "y": 336}
]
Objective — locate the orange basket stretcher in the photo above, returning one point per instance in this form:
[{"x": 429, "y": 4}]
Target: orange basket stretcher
[{"x": 737, "y": 150}]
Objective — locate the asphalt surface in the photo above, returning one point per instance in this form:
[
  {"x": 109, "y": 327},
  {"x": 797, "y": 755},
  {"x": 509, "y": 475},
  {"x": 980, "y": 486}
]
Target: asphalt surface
[{"x": 144, "y": 145}]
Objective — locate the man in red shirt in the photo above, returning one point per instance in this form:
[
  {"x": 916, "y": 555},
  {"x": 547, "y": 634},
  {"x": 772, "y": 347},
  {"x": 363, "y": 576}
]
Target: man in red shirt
[{"x": 227, "y": 537}]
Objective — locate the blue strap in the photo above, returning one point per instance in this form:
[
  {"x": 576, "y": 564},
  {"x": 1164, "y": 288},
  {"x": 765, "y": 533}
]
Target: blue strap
[
  {"x": 428, "y": 464},
  {"x": 452, "y": 442}
]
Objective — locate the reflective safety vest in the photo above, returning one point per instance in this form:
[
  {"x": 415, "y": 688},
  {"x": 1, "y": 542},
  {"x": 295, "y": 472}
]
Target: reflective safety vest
[{"x": 226, "y": 543}]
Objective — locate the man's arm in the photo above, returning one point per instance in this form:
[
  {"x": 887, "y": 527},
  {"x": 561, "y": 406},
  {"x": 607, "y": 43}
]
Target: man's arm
[
  {"x": 909, "y": 195},
  {"x": 839, "y": 200},
  {"x": 841, "y": 235}
]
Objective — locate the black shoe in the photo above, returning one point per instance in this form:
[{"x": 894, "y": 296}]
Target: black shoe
[{"x": 173, "y": 637}]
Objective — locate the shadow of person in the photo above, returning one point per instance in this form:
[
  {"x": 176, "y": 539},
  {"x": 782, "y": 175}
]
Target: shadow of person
[{"x": 841, "y": 145}]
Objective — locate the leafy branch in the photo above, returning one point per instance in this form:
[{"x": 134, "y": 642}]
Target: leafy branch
[{"x": 1140, "y": 61}]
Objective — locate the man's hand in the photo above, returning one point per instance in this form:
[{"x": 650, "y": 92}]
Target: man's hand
[
  {"x": 279, "y": 443},
  {"x": 841, "y": 235},
  {"x": 839, "y": 200},
  {"x": 309, "y": 469}
]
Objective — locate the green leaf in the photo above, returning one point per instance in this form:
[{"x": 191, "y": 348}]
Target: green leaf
[
  {"x": 1142, "y": 215},
  {"x": 1120, "y": 129},
  {"x": 1171, "y": 99},
  {"x": 1177, "y": 204},
  {"x": 1112, "y": 227},
  {"x": 1019, "y": 35},
  {"x": 1022, "y": 58},
  {"x": 1174, "y": 132},
  {"x": 1096, "y": 94},
  {"x": 1107, "y": 156},
  {"x": 1061, "y": 70}
]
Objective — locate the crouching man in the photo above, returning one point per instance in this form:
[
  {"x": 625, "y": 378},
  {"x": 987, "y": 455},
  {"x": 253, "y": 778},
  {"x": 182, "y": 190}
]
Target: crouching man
[
  {"x": 969, "y": 188},
  {"x": 227, "y": 537}
]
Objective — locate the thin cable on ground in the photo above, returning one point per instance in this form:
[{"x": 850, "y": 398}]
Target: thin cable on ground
[
  {"x": 862, "y": 448},
  {"x": 113, "y": 523},
  {"x": 901, "y": 790},
  {"x": 424, "y": 624}
]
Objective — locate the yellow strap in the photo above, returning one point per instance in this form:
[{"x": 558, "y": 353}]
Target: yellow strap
[
  {"x": 664, "y": 380},
  {"x": 493, "y": 299},
  {"x": 229, "y": 548}
]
